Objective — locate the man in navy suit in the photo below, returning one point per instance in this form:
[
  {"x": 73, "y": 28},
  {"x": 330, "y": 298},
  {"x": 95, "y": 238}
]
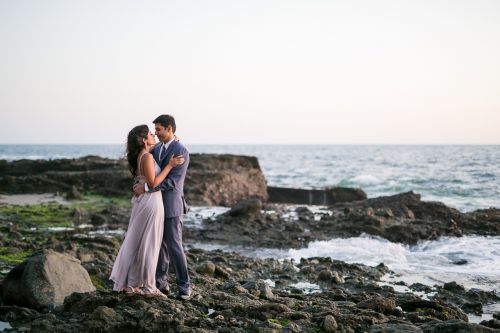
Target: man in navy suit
[{"x": 172, "y": 189}]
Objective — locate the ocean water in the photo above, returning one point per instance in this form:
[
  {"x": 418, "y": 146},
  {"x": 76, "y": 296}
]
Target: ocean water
[{"x": 463, "y": 177}]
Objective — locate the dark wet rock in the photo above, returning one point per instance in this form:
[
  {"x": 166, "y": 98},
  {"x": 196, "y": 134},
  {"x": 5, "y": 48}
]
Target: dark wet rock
[
  {"x": 470, "y": 301},
  {"x": 207, "y": 268},
  {"x": 453, "y": 286},
  {"x": 234, "y": 286},
  {"x": 98, "y": 219},
  {"x": 484, "y": 297},
  {"x": 330, "y": 324},
  {"x": 455, "y": 326},
  {"x": 294, "y": 227},
  {"x": 246, "y": 208},
  {"x": 420, "y": 287},
  {"x": 380, "y": 304},
  {"x": 73, "y": 194},
  {"x": 430, "y": 309},
  {"x": 44, "y": 280},
  {"x": 476, "y": 308},
  {"x": 492, "y": 323},
  {"x": 222, "y": 272},
  {"x": 304, "y": 212},
  {"x": 259, "y": 288},
  {"x": 104, "y": 318},
  {"x": 395, "y": 328},
  {"x": 16, "y": 313},
  {"x": 482, "y": 222},
  {"x": 384, "y": 212},
  {"x": 327, "y": 196},
  {"x": 337, "y": 278},
  {"x": 325, "y": 275},
  {"x": 307, "y": 269}
]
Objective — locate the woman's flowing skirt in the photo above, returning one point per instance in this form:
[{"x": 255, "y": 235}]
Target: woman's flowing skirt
[{"x": 135, "y": 265}]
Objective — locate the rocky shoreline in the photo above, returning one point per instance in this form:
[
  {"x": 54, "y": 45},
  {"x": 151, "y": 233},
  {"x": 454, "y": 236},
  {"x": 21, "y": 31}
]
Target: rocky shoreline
[
  {"x": 239, "y": 294},
  {"x": 233, "y": 293}
]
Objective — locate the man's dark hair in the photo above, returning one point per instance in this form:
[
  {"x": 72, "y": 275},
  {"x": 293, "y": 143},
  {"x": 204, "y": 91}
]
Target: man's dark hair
[{"x": 165, "y": 120}]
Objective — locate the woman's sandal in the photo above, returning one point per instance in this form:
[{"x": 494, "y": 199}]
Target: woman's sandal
[
  {"x": 155, "y": 293},
  {"x": 133, "y": 291}
]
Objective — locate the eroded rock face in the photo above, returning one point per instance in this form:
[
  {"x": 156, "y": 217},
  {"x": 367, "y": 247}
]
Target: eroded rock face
[
  {"x": 45, "y": 280},
  {"x": 211, "y": 179},
  {"x": 224, "y": 180}
]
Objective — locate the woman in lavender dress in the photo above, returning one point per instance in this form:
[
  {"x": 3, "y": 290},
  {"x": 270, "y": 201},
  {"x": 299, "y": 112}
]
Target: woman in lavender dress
[{"x": 135, "y": 266}]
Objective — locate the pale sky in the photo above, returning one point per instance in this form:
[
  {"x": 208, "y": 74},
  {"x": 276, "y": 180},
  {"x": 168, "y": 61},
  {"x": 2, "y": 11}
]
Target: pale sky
[{"x": 258, "y": 71}]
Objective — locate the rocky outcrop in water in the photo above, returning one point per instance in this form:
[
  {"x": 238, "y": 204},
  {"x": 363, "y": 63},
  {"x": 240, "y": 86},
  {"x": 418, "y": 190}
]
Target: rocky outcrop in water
[
  {"x": 326, "y": 196},
  {"x": 470, "y": 301},
  {"x": 401, "y": 218},
  {"x": 211, "y": 179}
]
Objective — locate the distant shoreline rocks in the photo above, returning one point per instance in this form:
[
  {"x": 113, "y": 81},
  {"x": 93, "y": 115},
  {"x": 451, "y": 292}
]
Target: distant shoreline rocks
[{"x": 212, "y": 179}]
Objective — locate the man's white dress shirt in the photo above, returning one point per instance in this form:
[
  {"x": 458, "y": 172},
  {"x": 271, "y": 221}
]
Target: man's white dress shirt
[{"x": 165, "y": 147}]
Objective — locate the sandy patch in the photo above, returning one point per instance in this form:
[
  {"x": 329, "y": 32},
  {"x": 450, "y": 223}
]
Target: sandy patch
[{"x": 30, "y": 199}]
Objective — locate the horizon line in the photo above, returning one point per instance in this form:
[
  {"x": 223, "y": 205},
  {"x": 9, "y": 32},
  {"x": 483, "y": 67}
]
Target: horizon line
[{"x": 265, "y": 144}]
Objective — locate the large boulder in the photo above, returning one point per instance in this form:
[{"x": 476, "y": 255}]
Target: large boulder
[
  {"x": 211, "y": 179},
  {"x": 44, "y": 280}
]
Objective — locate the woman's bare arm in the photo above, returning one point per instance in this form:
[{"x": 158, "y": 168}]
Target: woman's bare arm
[{"x": 148, "y": 166}]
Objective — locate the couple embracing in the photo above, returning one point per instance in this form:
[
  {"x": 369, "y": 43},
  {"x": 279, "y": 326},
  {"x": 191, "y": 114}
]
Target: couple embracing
[{"x": 154, "y": 235}]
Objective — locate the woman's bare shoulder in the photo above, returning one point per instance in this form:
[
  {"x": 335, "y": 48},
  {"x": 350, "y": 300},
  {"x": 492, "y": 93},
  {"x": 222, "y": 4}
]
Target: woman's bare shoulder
[{"x": 146, "y": 158}]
